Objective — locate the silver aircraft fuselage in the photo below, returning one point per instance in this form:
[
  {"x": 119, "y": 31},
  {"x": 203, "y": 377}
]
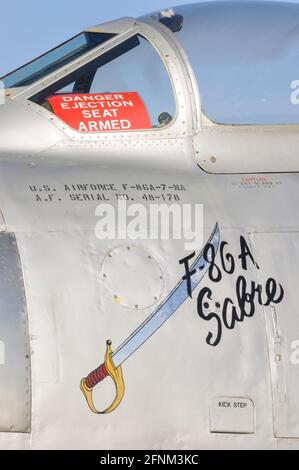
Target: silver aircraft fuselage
[{"x": 223, "y": 371}]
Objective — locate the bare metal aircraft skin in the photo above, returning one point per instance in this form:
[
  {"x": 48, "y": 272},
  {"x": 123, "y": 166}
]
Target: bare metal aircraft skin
[{"x": 112, "y": 334}]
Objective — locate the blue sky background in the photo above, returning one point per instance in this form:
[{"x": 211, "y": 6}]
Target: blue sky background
[{"x": 29, "y": 28}]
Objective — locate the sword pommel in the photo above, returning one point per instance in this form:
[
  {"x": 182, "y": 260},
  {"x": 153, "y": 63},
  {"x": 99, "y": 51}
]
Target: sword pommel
[{"x": 100, "y": 373}]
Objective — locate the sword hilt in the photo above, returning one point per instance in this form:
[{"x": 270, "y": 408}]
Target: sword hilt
[
  {"x": 100, "y": 373},
  {"x": 96, "y": 376}
]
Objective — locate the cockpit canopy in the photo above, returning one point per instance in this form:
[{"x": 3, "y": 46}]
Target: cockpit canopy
[
  {"x": 245, "y": 56},
  {"x": 54, "y": 59}
]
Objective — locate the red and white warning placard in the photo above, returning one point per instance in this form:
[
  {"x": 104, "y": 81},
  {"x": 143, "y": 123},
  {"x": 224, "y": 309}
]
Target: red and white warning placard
[{"x": 101, "y": 112}]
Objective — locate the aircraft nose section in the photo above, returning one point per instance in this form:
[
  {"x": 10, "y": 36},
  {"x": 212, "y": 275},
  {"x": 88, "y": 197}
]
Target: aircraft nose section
[{"x": 23, "y": 131}]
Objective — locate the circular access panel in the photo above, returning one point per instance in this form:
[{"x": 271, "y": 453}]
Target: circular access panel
[{"x": 133, "y": 277}]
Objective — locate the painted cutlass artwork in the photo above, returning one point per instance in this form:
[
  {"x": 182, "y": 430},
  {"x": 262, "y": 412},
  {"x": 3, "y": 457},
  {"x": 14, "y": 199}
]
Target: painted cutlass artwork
[{"x": 179, "y": 294}]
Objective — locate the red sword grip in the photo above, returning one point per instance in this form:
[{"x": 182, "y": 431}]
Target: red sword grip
[{"x": 96, "y": 376}]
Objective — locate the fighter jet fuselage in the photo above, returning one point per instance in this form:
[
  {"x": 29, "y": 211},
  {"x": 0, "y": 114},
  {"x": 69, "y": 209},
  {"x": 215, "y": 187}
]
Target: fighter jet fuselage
[{"x": 149, "y": 243}]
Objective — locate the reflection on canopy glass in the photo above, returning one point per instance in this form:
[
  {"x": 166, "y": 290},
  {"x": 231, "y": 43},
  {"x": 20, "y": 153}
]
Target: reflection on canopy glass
[
  {"x": 245, "y": 56},
  {"x": 54, "y": 59}
]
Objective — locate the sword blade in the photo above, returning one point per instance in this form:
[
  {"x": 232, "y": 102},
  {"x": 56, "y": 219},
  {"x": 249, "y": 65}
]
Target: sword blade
[{"x": 168, "y": 306}]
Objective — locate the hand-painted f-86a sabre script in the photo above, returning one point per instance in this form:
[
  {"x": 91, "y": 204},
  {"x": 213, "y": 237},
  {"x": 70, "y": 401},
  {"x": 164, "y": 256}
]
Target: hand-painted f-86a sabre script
[{"x": 247, "y": 294}]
